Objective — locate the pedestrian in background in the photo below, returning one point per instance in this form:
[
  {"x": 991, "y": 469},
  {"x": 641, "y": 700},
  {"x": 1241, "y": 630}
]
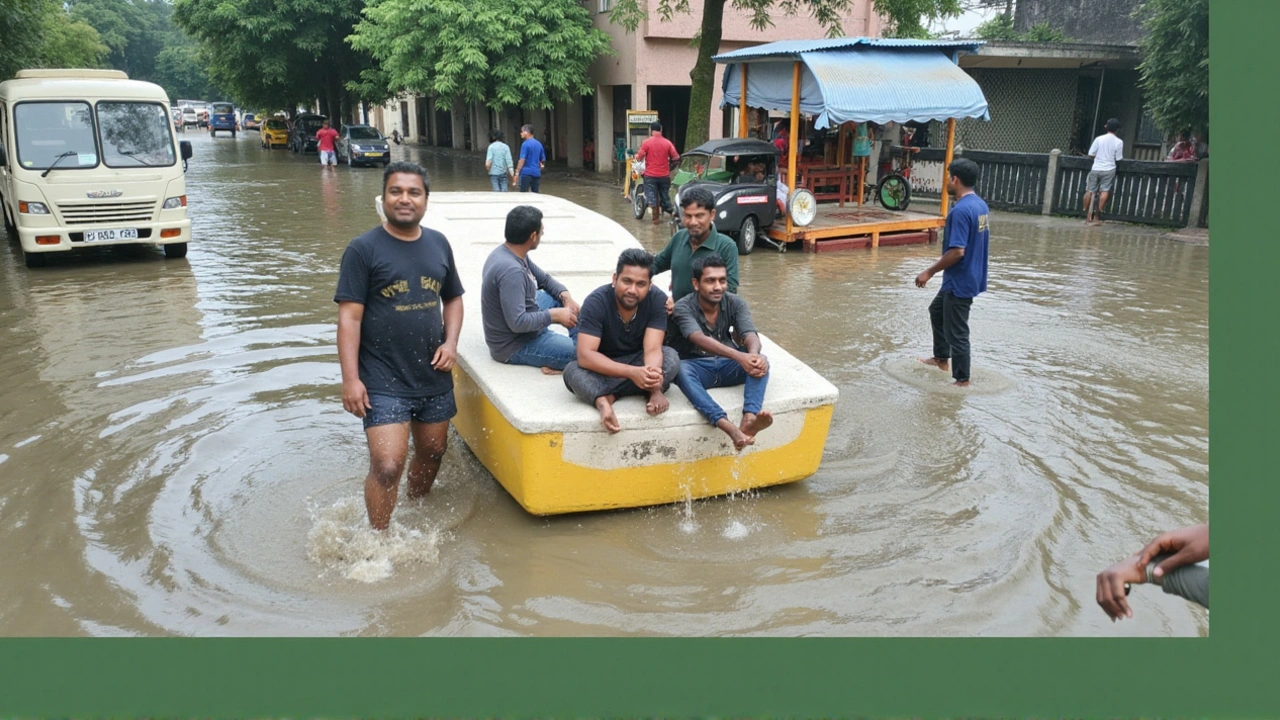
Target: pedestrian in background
[
  {"x": 498, "y": 162},
  {"x": 325, "y": 139},
  {"x": 657, "y": 153},
  {"x": 1106, "y": 151},
  {"x": 532, "y": 159}
]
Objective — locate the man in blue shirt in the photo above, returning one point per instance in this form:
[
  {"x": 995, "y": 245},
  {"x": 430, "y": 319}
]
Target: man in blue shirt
[
  {"x": 964, "y": 272},
  {"x": 532, "y": 160}
]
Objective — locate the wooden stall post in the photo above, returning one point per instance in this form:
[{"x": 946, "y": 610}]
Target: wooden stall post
[
  {"x": 791, "y": 148},
  {"x": 862, "y": 177},
  {"x": 742, "y": 103},
  {"x": 946, "y": 164}
]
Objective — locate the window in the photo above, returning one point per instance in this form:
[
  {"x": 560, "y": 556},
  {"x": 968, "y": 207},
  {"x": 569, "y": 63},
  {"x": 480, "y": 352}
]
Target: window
[
  {"x": 135, "y": 134},
  {"x": 54, "y": 132},
  {"x": 606, "y": 5},
  {"x": 1148, "y": 133}
]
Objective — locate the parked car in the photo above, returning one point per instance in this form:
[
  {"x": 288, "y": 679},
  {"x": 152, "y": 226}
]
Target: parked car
[
  {"x": 742, "y": 177},
  {"x": 363, "y": 145},
  {"x": 250, "y": 122},
  {"x": 274, "y": 132},
  {"x": 302, "y": 137}
]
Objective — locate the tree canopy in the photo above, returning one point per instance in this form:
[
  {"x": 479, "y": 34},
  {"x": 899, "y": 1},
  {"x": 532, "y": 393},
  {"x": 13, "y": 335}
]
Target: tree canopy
[
  {"x": 41, "y": 33},
  {"x": 1175, "y": 62},
  {"x": 500, "y": 52},
  {"x": 278, "y": 55}
]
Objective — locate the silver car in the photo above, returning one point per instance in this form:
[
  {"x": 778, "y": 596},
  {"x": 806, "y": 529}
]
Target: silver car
[{"x": 363, "y": 145}]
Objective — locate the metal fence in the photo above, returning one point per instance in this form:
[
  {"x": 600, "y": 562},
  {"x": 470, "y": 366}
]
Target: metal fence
[{"x": 1156, "y": 193}]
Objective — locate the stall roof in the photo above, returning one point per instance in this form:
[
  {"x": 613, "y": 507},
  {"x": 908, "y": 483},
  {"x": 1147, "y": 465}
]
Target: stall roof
[{"x": 858, "y": 80}]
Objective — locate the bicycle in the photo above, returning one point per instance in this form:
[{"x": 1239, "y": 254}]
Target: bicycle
[{"x": 894, "y": 189}]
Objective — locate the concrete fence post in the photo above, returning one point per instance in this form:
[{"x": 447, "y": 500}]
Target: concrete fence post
[
  {"x": 1199, "y": 194},
  {"x": 1050, "y": 182}
]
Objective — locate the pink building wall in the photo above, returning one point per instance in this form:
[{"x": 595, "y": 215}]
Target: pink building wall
[{"x": 658, "y": 53}]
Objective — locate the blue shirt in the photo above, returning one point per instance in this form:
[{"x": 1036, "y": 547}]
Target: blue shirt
[
  {"x": 533, "y": 155},
  {"x": 967, "y": 227}
]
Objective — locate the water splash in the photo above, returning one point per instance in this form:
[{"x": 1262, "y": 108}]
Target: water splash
[{"x": 341, "y": 541}]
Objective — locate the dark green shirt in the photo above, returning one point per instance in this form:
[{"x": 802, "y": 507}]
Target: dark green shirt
[{"x": 678, "y": 257}]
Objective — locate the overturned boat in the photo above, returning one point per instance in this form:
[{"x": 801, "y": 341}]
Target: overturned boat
[{"x": 547, "y": 448}]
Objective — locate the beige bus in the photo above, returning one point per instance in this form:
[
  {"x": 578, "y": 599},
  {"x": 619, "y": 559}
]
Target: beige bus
[{"x": 89, "y": 158}]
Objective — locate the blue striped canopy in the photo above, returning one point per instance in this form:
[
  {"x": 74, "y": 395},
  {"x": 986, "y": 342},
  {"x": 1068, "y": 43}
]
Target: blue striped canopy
[{"x": 858, "y": 80}]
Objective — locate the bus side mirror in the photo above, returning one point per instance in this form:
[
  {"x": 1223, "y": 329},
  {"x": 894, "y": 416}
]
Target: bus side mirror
[{"x": 185, "y": 146}]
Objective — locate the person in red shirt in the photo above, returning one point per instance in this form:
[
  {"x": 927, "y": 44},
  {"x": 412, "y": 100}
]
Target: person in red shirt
[
  {"x": 325, "y": 139},
  {"x": 658, "y": 153}
]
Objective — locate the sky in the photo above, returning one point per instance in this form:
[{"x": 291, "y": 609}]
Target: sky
[{"x": 966, "y": 22}]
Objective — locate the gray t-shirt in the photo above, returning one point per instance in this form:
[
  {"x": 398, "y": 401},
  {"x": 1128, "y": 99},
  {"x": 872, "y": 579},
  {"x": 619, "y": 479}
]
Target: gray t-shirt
[
  {"x": 733, "y": 319},
  {"x": 508, "y": 302}
]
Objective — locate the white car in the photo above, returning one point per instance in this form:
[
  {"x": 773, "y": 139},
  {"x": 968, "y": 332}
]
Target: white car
[{"x": 189, "y": 117}]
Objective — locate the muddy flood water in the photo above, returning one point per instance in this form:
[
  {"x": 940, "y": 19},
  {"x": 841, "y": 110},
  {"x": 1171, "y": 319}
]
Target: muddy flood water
[{"x": 175, "y": 460}]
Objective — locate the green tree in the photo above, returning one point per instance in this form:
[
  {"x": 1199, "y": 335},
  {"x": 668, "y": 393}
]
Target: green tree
[
  {"x": 1175, "y": 62},
  {"x": 499, "y": 52},
  {"x": 1043, "y": 32},
  {"x": 180, "y": 69},
  {"x": 39, "y": 33},
  {"x": 135, "y": 31},
  {"x": 997, "y": 28},
  {"x": 280, "y": 54},
  {"x": 902, "y": 18}
]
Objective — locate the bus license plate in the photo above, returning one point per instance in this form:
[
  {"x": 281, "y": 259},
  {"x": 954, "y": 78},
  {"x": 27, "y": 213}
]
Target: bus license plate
[{"x": 118, "y": 234}]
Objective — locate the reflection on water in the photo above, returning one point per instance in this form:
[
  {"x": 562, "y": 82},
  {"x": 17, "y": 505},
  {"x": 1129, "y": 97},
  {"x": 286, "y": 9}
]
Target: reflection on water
[{"x": 174, "y": 458}]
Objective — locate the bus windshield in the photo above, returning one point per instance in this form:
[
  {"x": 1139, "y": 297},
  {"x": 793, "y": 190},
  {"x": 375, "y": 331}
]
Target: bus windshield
[
  {"x": 55, "y": 132},
  {"x": 135, "y": 134}
]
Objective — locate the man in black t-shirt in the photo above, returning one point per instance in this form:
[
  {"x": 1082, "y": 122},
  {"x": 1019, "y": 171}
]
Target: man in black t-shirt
[
  {"x": 399, "y": 316},
  {"x": 620, "y": 332}
]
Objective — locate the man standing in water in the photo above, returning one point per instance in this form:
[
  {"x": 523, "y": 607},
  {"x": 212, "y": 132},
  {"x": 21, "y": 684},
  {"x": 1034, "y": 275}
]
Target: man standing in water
[
  {"x": 399, "y": 316},
  {"x": 657, "y": 153},
  {"x": 532, "y": 159},
  {"x": 964, "y": 272},
  {"x": 325, "y": 139},
  {"x": 1106, "y": 150},
  {"x": 719, "y": 347},
  {"x": 620, "y": 333}
]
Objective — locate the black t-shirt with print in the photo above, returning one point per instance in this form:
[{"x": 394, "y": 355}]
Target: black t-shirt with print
[
  {"x": 599, "y": 318},
  {"x": 402, "y": 286}
]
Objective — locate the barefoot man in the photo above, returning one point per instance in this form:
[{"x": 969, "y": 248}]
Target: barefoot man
[
  {"x": 620, "y": 333},
  {"x": 399, "y": 315},
  {"x": 964, "y": 272},
  {"x": 719, "y": 347}
]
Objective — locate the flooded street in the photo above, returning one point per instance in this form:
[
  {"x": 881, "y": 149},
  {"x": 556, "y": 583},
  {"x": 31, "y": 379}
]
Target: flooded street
[{"x": 175, "y": 460}]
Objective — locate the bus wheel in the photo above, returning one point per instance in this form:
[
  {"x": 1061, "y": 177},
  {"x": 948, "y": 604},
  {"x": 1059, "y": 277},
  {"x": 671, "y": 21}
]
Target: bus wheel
[
  {"x": 35, "y": 260},
  {"x": 174, "y": 251}
]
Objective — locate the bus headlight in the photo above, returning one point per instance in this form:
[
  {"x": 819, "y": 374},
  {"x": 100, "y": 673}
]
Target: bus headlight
[
  {"x": 175, "y": 202},
  {"x": 33, "y": 208}
]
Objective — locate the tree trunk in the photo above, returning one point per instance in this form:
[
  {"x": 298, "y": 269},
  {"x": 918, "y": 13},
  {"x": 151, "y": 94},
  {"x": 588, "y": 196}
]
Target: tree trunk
[{"x": 703, "y": 75}]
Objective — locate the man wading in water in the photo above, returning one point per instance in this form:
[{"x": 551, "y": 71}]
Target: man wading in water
[
  {"x": 397, "y": 283},
  {"x": 964, "y": 273}
]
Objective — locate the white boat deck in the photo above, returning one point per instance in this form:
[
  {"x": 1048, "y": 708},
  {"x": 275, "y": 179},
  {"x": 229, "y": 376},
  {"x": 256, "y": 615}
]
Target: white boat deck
[{"x": 580, "y": 248}]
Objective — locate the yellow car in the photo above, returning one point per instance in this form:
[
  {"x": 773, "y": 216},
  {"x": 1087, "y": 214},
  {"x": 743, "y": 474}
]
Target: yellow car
[{"x": 275, "y": 131}]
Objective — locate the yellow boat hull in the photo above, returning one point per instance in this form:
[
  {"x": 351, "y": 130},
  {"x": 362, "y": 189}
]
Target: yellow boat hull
[{"x": 534, "y": 469}]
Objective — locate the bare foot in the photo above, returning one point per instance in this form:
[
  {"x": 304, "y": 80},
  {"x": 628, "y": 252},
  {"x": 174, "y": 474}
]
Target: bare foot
[
  {"x": 657, "y": 403},
  {"x": 961, "y": 383},
  {"x": 551, "y": 371},
  {"x": 940, "y": 363},
  {"x": 739, "y": 438},
  {"x": 607, "y": 418},
  {"x": 753, "y": 424}
]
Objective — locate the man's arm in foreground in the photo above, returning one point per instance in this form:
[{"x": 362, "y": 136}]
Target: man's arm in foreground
[
  {"x": 447, "y": 354},
  {"x": 355, "y": 398}
]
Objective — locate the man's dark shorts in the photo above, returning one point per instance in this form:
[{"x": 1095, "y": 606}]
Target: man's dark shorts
[{"x": 389, "y": 410}]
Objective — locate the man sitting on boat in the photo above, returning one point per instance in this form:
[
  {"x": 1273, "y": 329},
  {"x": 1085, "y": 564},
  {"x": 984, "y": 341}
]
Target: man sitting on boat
[
  {"x": 621, "y": 329},
  {"x": 519, "y": 301},
  {"x": 698, "y": 239},
  {"x": 719, "y": 347}
]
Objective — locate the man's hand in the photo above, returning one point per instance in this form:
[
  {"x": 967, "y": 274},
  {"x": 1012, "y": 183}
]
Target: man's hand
[
  {"x": 923, "y": 278},
  {"x": 1111, "y": 597},
  {"x": 755, "y": 364},
  {"x": 671, "y": 305},
  {"x": 355, "y": 398},
  {"x": 647, "y": 378},
  {"x": 564, "y": 316},
  {"x": 567, "y": 300},
  {"x": 446, "y": 355},
  {"x": 1189, "y": 545}
]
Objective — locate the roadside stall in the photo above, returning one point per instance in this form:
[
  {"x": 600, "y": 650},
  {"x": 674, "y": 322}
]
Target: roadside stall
[{"x": 845, "y": 86}]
